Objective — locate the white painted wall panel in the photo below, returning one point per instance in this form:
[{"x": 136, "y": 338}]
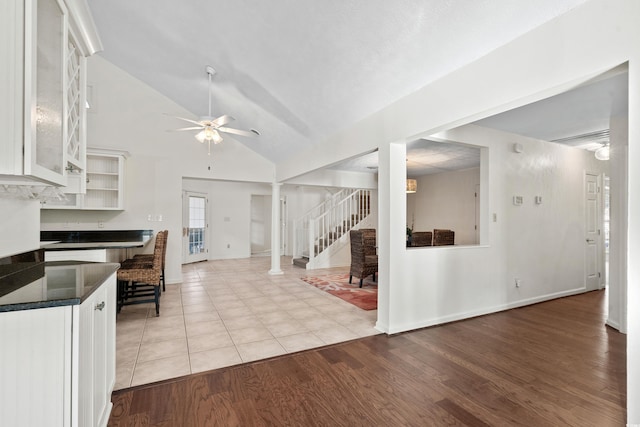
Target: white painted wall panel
[
  {"x": 35, "y": 361},
  {"x": 19, "y": 226}
]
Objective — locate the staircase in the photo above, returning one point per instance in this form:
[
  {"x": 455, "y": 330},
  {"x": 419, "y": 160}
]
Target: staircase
[{"x": 327, "y": 225}]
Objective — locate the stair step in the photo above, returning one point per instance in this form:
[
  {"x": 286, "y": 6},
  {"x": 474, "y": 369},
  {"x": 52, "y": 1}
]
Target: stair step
[{"x": 301, "y": 262}]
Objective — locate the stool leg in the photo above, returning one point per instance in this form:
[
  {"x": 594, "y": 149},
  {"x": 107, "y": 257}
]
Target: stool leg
[
  {"x": 156, "y": 290},
  {"x": 119, "y": 297}
]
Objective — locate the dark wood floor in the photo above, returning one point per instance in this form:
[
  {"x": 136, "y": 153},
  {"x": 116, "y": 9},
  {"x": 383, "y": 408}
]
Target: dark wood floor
[{"x": 550, "y": 364}]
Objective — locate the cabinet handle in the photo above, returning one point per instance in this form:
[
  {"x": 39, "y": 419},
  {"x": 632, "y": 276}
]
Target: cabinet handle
[{"x": 100, "y": 306}]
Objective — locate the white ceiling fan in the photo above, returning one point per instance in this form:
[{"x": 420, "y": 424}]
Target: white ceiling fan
[{"x": 209, "y": 127}]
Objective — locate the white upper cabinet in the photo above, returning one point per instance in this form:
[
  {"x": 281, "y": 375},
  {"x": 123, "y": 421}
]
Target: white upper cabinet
[{"x": 43, "y": 49}]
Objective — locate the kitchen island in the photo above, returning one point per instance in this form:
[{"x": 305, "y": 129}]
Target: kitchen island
[{"x": 57, "y": 359}]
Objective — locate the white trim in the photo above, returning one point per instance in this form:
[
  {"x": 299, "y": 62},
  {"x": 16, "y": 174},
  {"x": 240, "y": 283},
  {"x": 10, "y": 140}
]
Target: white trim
[{"x": 474, "y": 313}]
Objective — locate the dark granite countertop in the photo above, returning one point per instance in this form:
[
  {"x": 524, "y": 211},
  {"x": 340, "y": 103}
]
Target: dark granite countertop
[
  {"x": 94, "y": 239},
  {"x": 51, "y": 284},
  {"x": 60, "y": 246}
]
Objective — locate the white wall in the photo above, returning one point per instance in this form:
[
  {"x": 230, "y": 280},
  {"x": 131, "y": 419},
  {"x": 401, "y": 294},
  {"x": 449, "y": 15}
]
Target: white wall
[
  {"x": 542, "y": 245},
  {"x": 126, "y": 114},
  {"x": 446, "y": 200},
  {"x": 543, "y": 62},
  {"x": 19, "y": 226},
  {"x": 230, "y": 213},
  {"x": 617, "y": 314}
]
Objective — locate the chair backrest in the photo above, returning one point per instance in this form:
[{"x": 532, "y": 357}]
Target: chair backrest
[
  {"x": 164, "y": 248},
  {"x": 159, "y": 250},
  {"x": 421, "y": 238},
  {"x": 357, "y": 245},
  {"x": 443, "y": 237},
  {"x": 369, "y": 241}
]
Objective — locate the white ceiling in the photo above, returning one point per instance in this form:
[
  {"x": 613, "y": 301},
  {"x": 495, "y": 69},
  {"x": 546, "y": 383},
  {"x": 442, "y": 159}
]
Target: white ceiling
[
  {"x": 299, "y": 71},
  {"x": 578, "y": 117},
  {"x": 585, "y": 110}
]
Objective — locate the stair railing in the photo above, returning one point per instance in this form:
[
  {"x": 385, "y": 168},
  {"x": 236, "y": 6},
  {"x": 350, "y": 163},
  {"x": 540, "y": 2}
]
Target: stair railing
[
  {"x": 301, "y": 225},
  {"x": 331, "y": 225}
]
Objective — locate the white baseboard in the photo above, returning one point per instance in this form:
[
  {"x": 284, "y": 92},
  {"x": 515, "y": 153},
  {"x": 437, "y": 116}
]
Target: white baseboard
[
  {"x": 394, "y": 329},
  {"x": 615, "y": 325}
]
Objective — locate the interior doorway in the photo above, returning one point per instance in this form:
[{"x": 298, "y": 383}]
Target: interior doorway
[
  {"x": 260, "y": 225},
  {"x": 261, "y": 220}
]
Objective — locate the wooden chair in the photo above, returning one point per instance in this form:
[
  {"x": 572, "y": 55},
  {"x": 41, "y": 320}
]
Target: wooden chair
[
  {"x": 443, "y": 237},
  {"x": 148, "y": 258},
  {"x": 421, "y": 238},
  {"x": 364, "y": 261},
  {"x": 139, "y": 281}
]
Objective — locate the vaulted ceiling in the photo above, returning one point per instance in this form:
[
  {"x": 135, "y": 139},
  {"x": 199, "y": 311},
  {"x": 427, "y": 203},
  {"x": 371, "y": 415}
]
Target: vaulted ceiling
[{"x": 299, "y": 71}]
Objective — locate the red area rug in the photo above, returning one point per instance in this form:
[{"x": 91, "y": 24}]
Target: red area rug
[{"x": 365, "y": 298}]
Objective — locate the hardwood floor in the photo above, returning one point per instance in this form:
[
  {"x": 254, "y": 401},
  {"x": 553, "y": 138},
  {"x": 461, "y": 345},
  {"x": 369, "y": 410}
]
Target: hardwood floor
[{"x": 550, "y": 364}]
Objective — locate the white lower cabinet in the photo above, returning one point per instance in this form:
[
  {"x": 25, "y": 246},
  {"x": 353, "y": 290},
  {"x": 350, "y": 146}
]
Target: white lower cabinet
[
  {"x": 96, "y": 358},
  {"x": 57, "y": 364}
]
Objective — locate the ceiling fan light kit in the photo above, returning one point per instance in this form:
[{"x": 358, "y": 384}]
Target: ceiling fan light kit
[
  {"x": 209, "y": 127},
  {"x": 602, "y": 153}
]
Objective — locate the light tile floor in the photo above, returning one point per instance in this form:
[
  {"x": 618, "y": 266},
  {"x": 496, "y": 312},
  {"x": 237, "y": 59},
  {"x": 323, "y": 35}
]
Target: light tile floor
[{"x": 229, "y": 312}]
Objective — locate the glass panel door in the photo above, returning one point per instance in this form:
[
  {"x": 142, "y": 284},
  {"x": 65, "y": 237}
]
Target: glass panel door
[
  {"x": 44, "y": 154},
  {"x": 194, "y": 227}
]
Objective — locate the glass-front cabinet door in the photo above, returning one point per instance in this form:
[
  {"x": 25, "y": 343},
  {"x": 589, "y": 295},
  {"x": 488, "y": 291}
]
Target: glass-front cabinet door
[{"x": 46, "y": 123}]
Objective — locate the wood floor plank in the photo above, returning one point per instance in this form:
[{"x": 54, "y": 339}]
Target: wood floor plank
[{"x": 553, "y": 363}]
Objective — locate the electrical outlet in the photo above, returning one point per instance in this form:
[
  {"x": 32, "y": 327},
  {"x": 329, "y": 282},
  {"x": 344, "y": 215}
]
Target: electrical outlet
[
  {"x": 228, "y": 245},
  {"x": 518, "y": 283}
]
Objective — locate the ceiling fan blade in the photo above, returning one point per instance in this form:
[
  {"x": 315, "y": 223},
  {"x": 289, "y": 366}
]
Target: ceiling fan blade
[
  {"x": 222, "y": 120},
  {"x": 186, "y": 120},
  {"x": 189, "y": 128},
  {"x": 236, "y": 131}
]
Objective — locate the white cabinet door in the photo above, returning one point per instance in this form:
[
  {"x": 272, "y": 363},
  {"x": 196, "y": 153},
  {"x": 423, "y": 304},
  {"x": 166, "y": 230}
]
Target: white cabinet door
[
  {"x": 32, "y": 90},
  {"x": 96, "y": 369},
  {"x": 45, "y": 90},
  {"x": 35, "y": 361},
  {"x": 43, "y": 46}
]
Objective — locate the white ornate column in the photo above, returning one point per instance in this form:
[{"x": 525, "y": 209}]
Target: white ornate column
[{"x": 275, "y": 229}]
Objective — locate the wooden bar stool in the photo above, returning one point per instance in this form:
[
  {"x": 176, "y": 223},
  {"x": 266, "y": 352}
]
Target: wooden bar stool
[{"x": 139, "y": 282}]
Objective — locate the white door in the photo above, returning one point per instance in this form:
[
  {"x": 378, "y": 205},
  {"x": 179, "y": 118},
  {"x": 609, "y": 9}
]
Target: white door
[
  {"x": 195, "y": 241},
  {"x": 592, "y": 232}
]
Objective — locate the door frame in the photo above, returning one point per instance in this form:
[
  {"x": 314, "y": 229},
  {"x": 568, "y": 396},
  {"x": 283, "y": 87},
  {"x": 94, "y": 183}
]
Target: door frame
[
  {"x": 204, "y": 255},
  {"x": 599, "y": 229}
]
